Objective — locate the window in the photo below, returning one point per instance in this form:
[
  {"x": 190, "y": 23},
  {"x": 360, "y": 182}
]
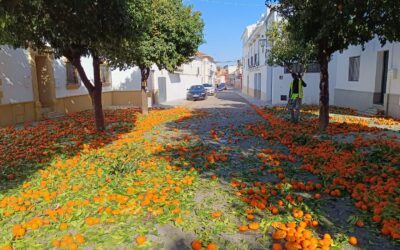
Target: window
[
  {"x": 105, "y": 75},
  {"x": 313, "y": 68},
  {"x": 354, "y": 68},
  {"x": 73, "y": 80},
  {"x": 297, "y": 68}
]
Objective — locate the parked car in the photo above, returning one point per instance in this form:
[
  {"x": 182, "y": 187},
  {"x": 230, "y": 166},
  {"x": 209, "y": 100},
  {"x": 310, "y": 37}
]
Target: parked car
[
  {"x": 196, "y": 92},
  {"x": 221, "y": 87},
  {"x": 210, "y": 90}
]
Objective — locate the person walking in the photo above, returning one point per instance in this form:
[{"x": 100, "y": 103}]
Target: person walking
[{"x": 295, "y": 97}]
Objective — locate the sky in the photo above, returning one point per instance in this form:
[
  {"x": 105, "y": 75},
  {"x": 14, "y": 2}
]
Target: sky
[{"x": 225, "y": 21}]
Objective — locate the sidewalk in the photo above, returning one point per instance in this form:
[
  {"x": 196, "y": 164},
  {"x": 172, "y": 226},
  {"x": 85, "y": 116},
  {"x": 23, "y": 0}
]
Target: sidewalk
[{"x": 252, "y": 100}]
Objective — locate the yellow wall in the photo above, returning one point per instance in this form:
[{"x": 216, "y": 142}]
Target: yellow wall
[
  {"x": 126, "y": 98},
  {"x": 11, "y": 114}
]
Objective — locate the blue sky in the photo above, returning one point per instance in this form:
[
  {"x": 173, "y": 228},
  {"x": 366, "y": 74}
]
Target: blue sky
[{"x": 225, "y": 21}]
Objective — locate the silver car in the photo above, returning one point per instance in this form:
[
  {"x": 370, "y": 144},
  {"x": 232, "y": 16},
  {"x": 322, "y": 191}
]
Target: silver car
[{"x": 210, "y": 90}]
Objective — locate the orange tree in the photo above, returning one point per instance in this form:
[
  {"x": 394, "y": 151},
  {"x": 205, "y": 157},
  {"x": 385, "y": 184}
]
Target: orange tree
[
  {"x": 174, "y": 36},
  {"x": 333, "y": 25},
  {"x": 75, "y": 29}
]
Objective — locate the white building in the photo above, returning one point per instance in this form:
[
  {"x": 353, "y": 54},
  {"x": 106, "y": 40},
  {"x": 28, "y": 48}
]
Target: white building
[
  {"x": 369, "y": 78},
  {"x": 173, "y": 86},
  {"x": 35, "y": 86},
  {"x": 364, "y": 79},
  {"x": 271, "y": 83}
]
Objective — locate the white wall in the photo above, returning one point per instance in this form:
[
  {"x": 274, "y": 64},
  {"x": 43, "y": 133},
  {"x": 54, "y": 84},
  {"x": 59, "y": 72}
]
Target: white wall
[
  {"x": 60, "y": 77},
  {"x": 394, "y": 68},
  {"x": 16, "y": 75},
  {"x": 126, "y": 80},
  {"x": 178, "y": 82},
  {"x": 368, "y": 66},
  {"x": 281, "y": 86}
]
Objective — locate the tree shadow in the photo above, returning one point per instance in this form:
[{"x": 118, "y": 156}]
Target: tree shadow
[
  {"x": 27, "y": 148},
  {"x": 226, "y": 145}
]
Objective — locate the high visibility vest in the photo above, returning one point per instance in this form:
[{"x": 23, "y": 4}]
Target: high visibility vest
[{"x": 297, "y": 95}]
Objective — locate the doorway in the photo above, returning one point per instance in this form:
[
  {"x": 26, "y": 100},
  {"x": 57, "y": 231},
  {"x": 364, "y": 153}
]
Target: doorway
[
  {"x": 45, "y": 81},
  {"x": 248, "y": 87},
  {"x": 382, "y": 77},
  {"x": 257, "y": 85},
  {"x": 162, "y": 89}
]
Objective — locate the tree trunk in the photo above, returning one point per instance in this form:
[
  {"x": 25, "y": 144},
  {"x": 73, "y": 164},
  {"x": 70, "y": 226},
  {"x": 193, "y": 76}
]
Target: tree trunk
[
  {"x": 145, "y": 72},
  {"x": 324, "y": 90},
  {"x": 94, "y": 91},
  {"x": 97, "y": 94}
]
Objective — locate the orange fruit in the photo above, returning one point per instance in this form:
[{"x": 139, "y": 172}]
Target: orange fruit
[
  {"x": 277, "y": 246},
  {"x": 254, "y": 226},
  {"x": 353, "y": 240},
  {"x": 243, "y": 228},
  {"x": 376, "y": 218},
  {"x": 140, "y": 240},
  {"x": 305, "y": 244},
  {"x": 307, "y": 234},
  {"x": 73, "y": 246},
  {"x": 211, "y": 246},
  {"x": 216, "y": 214},
  {"x": 63, "y": 226},
  {"x": 196, "y": 245},
  {"x": 279, "y": 234},
  {"x": 56, "y": 243},
  {"x": 79, "y": 238},
  {"x": 275, "y": 211},
  {"x": 360, "y": 223}
]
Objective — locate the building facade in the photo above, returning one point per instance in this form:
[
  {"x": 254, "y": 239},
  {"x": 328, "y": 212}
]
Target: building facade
[
  {"x": 36, "y": 86},
  {"x": 271, "y": 83},
  {"x": 166, "y": 86},
  {"x": 368, "y": 78}
]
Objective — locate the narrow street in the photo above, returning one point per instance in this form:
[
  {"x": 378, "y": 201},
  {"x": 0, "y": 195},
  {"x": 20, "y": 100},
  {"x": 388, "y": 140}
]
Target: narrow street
[
  {"x": 228, "y": 126},
  {"x": 217, "y": 174}
]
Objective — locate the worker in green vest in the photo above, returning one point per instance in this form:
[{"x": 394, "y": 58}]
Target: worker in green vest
[{"x": 295, "y": 97}]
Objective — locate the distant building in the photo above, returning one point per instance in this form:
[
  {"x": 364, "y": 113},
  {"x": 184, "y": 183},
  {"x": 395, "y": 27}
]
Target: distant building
[
  {"x": 270, "y": 83},
  {"x": 221, "y": 76},
  {"x": 168, "y": 86},
  {"x": 234, "y": 75}
]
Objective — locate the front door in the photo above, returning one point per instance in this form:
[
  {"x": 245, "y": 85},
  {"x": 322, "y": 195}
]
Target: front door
[
  {"x": 162, "y": 89},
  {"x": 384, "y": 77},
  {"x": 45, "y": 81},
  {"x": 257, "y": 85}
]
